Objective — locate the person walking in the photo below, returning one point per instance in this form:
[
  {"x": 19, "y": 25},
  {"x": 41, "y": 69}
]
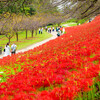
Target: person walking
[
  {"x": 7, "y": 50},
  {"x": 46, "y": 28},
  {"x": 53, "y": 29},
  {"x": 50, "y": 29},
  {"x": 39, "y": 30},
  {"x": 13, "y": 48},
  {"x": 57, "y": 29},
  {"x": 58, "y": 33},
  {"x": 89, "y": 20}
]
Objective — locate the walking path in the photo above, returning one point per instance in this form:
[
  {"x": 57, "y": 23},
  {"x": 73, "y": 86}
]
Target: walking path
[{"x": 54, "y": 35}]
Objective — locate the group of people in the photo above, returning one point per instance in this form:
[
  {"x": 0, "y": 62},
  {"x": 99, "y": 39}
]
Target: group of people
[
  {"x": 59, "y": 32},
  {"x": 40, "y": 30},
  {"x": 7, "y": 50},
  {"x": 51, "y": 30}
]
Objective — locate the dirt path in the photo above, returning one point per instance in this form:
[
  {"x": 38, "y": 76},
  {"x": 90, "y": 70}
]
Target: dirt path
[{"x": 54, "y": 35}]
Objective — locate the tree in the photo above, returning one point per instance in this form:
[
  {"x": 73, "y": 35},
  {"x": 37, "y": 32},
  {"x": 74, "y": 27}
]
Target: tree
[
  {"x": 81, "y": 8},
  {"x": 72, "y": 8},
  {"x": 8, "y": 31}
]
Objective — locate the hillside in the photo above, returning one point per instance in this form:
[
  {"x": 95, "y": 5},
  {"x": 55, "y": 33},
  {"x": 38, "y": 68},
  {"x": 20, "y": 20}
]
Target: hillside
[{"x": 65, "y": 68}]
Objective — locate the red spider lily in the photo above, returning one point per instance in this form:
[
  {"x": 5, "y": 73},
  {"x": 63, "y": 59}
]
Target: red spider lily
[{"x": 62, "y": 67}]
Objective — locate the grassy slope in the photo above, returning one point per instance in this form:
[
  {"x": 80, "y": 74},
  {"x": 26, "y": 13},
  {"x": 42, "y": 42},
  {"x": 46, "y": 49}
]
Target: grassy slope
[{"x": 68, "y": 24}]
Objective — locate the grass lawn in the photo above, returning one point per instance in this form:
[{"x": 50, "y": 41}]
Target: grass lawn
[
  {"x": 22, "y": 43},
  {"x": 68, "y": 24},
  {"x": 72, "y": 24}
]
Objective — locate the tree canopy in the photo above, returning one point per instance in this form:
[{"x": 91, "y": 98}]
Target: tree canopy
[
  {"x": 17, "y": 15},
  {"x": 80, "y": 8},
  {"x": 72, "y": 8}
]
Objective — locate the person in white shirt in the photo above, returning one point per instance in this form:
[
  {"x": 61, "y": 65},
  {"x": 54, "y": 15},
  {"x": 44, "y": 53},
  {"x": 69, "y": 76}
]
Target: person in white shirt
[
  {"x": 41, "y": 30},
  {"x": 7, "y": 50},
  {"x": 53, "y": 29},
  {"x": 13, "y": 48},
  {"x": 50, "y": 29},
  {"x": 46, "y": 28}
]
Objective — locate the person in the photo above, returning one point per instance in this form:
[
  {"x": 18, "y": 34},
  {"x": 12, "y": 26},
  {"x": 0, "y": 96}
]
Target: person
[
  {"x": 46, "y": 28},
  {"x": 89, "y": 20},
  {"x": 58, "y": 34},
  {"x": 39, "y": 30},
  {"x": 59, "y": 31},
  {"x": 13, "y": 48},
  {"x": 7, "y": 50},
  {"x": 50, "y": 29},
  {"x": 56, "y": 29},
  {"x": 53, "y": 29}
]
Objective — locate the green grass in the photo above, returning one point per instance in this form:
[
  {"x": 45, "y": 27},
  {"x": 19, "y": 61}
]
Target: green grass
[
  {"x": 72, "y": 24},
  {"x": 55, "y": 25},
  {"x": 68, "y": 24},
  {"x": 22, "y": 43}
]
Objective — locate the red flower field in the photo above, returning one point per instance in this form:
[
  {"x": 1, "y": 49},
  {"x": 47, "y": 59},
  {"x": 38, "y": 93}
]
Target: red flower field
[{"x": 66, "y": 68}]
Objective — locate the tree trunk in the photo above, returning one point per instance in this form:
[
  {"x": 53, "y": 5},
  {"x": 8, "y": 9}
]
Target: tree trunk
[
  {"x": 32, "y": 32},
  {"x": 77, "y": 22},
  {"x": 36, "y": 32},
  {"x": 58, "y": 24},
  {"x": 17, "y": 36},
  {"x": 9, "y": 39},
  {"x": 26, "y": 34}
]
